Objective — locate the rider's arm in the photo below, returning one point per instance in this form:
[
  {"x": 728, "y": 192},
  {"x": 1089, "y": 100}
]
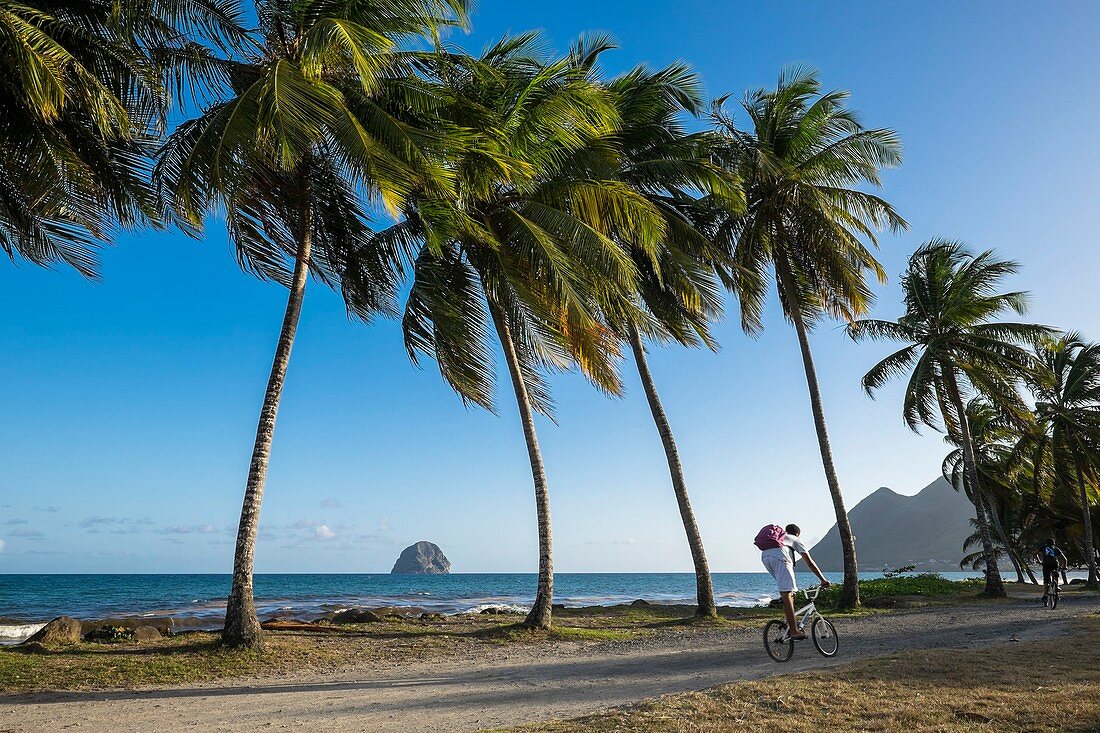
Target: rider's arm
[
  {"x": 1062, "y": 559},
  {"x": 813, "y": 566}
]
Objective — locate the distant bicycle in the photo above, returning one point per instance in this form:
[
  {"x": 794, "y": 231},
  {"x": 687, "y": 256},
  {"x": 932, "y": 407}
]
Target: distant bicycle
[
  {"x": 1050, "y": 599},
  {"x": 777, "y": 637}
]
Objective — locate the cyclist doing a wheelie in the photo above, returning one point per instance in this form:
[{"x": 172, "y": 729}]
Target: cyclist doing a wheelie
[
  {"x": 777, "y": 547},
  {"x": 1054, "y": 561}
]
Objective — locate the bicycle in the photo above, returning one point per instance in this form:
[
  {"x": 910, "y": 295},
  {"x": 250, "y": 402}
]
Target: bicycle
[
  {"x": 777, "y": 638},
  {"x": 1050, "y": 598}
]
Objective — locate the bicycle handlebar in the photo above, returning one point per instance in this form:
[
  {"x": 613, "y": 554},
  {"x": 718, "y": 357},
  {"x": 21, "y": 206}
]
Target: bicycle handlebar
[{"x": 816, "y": 592}]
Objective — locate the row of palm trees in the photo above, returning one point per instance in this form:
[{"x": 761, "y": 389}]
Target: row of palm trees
[
  {"x": 541, "y": 208},
  {"x": 1020, "y": 401}
]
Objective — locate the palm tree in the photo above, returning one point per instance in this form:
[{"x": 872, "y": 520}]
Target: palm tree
[
  {"x": 1066, "y": 442},
  {"x": 805, "y": 221},
  {"x": 994, "y": 433},
  {"x": 678, "y": 292},
  {"x": 524, "y": 250},
  {"x": 83, "y": 93},
  {"x": 303, "y": 125},
  {"x": 956, "y": 345}
]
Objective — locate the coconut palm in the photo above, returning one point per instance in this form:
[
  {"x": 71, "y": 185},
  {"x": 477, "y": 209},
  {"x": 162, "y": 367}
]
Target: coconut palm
[
  {"x": 678, "y": 291},
  {"x": 82, "y": 94},
  {"x": 994, "y": 433},
  {"x": 524, "y": 250},
  {"x": 800, "y": 161},
  {"x": 303, "y": 126},
  {"x": 956, "y": 347},
  {"x": 1066, "y": 444}
]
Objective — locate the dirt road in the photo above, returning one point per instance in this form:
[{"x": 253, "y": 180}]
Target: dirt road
[{"x": 514, "y": 685}]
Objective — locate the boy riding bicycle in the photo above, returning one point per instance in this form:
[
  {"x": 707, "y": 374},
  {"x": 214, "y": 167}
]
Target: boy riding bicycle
[
  {"x": 1054, "y": 561},
  {"x": 777, "y": 547}
]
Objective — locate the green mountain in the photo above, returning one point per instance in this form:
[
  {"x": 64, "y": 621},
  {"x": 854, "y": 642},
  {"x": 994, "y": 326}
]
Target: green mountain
[{"x": 926, "y": 530}]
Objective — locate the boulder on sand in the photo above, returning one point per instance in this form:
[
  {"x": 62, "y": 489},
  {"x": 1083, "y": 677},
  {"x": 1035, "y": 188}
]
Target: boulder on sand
[
  {"x": 62, "y": 630},
  {"x": 423, "y": 558},
  {"x": 146, "y": 634}
]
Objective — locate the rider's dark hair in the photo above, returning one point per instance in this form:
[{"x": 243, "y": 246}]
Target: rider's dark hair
[
  {"x": 793, "y": 529},
  {"x": 1050, "y": 542}
]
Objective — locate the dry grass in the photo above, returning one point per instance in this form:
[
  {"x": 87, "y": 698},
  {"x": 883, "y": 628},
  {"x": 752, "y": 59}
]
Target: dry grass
[
  {"x": 198, "y": 657},
  {"x": 1034, "y": 686}
]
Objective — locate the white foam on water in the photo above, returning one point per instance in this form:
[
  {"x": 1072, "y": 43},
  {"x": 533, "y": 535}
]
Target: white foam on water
[
  {"x": 15, "y": 633},
  {"x": 501, "y": 607}
]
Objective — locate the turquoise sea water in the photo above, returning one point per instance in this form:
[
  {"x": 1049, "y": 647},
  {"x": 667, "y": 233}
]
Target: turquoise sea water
[{"x": 199, "y": 600}]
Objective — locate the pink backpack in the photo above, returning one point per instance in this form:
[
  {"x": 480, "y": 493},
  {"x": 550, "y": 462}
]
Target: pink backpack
[{"x": 770, "y": 537}]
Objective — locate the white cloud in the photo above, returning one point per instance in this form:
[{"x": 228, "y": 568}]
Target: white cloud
[
  {"x": 323, "y": 532},
  {"x": 1, "y": 545},
  {"x": 332, "y": 504},
  {"x": 384, "y": 525},
  {"x": 189, "y": 529}
]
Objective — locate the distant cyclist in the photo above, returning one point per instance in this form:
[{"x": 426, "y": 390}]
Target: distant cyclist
[{"x": 1054, "y": 560}]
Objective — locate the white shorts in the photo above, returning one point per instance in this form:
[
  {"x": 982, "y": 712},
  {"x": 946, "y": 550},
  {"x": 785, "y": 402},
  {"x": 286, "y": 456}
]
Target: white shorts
[{"x": 778, "y": 562}]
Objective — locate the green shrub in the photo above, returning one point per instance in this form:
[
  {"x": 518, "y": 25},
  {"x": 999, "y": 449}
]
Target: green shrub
[{"x": 930, "y": 585}]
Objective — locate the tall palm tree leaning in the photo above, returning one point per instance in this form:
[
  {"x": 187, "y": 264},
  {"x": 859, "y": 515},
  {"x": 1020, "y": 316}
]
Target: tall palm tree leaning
[
  {"x": 678, "y": 292},
  {"x": 524, "y": 250},
  {"x": 85, "y": 86},
  {"x": 799, "y": 162},
  {"x": 1066, "y": 445},
  {"x": 956, "y": 346},
  {"x": 302, "y": 125}
]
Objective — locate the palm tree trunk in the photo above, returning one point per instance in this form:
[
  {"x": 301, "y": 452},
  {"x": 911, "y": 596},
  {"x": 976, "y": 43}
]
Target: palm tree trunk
[
  {"x": 242, "y": 627},
  {"x": 994, "y": 586},
  {"x": 849, "y": 593},
  {"x": 1090, "y": 548},
  {"x": 704, "y": 587},
  {"x": 542, "y": 608},
  {"x": 998, "y": 526}
]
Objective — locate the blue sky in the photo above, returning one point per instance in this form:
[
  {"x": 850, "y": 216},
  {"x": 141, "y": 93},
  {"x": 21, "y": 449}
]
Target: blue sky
[{"x": 129, "y": 406}]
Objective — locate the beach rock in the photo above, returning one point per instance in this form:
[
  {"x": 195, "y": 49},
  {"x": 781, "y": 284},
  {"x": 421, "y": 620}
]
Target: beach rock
[
  {"x": 110, "y": 633},
  {"x": 62, "y": 630},
  {"x": 494, "y": 611},
  {"x": 431, "y": 616},
  {"x": 146, "y": 634},
  {"x": 357, "y": 616},
  {"x": 423, "y": 558},
  {"x": 166, "y": 626}
]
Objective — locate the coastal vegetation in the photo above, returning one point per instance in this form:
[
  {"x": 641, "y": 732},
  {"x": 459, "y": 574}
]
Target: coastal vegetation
[{"x": 520, "y": 202}]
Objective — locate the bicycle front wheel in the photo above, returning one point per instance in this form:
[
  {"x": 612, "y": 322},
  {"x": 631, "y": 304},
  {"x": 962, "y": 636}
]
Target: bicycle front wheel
[
  {"x": 777, "y": 642},
  {"x": 824, "y": 636}
]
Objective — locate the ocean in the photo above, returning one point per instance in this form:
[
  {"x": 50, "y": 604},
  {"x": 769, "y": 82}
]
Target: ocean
[{"x": 198, "y": 601}]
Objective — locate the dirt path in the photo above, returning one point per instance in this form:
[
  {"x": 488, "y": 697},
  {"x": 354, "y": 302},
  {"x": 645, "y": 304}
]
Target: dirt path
[{"x": 514, "y": 685}]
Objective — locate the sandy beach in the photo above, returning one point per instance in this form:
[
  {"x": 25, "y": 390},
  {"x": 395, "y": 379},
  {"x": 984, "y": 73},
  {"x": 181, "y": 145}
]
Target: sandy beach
[{"x": 513, "y": 684}]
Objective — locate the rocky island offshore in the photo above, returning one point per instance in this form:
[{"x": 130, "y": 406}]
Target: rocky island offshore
[{"x": 423, "y": 558}]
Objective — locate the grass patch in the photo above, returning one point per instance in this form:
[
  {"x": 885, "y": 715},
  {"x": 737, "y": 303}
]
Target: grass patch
[
  {"x": 930, "y": 586},
  {"x": 1034, "y": 686},
  {"x": 518, "y": 633}
]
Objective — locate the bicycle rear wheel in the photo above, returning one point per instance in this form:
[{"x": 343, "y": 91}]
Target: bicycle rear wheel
[
  {"x": 824, "y": 636},
  {"x": 1054, "y": 599},
  {"x": 777, "y": 641}
]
